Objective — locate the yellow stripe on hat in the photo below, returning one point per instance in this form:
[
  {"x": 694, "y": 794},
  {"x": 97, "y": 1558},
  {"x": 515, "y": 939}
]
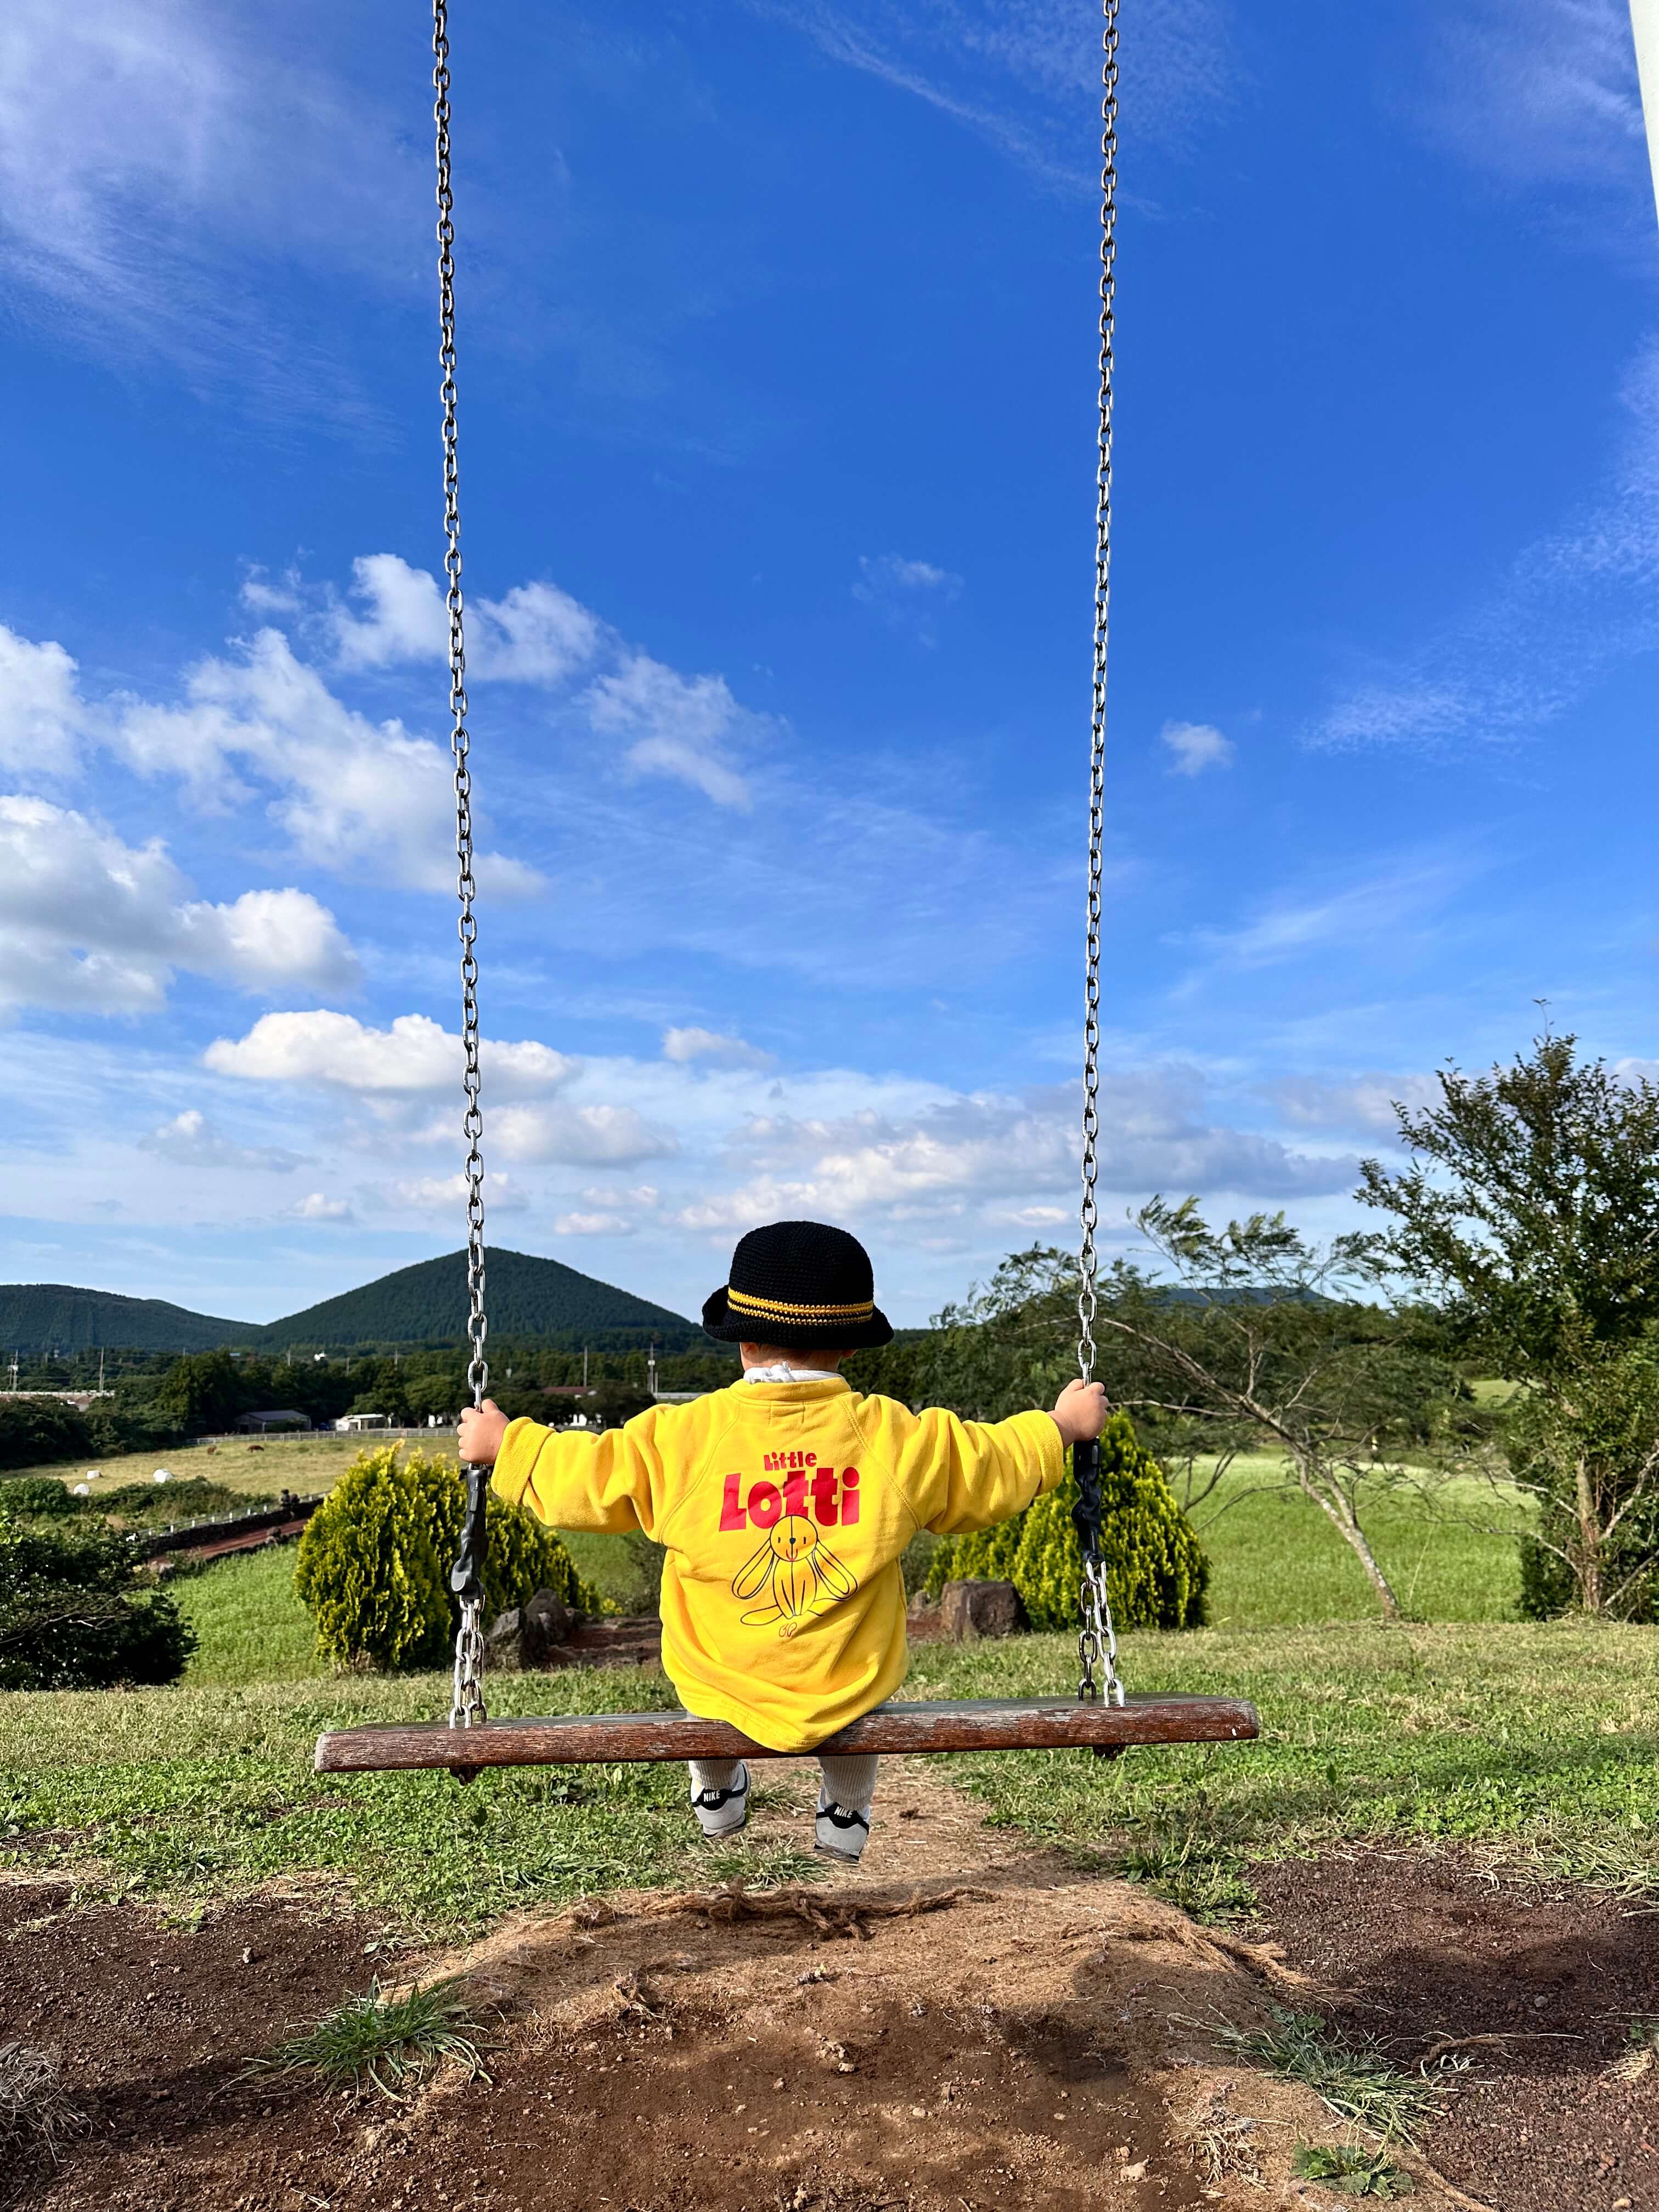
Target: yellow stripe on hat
[{"x": 776, "y": 1310}]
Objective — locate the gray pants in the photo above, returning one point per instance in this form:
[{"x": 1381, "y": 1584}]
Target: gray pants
[{"x": 849, "y": 1783}]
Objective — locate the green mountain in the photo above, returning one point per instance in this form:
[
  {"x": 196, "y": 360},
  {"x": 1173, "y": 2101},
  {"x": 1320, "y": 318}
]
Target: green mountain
[
  {"x": 526, "y": 1296},
  {"x": 41, "y": 1317}
]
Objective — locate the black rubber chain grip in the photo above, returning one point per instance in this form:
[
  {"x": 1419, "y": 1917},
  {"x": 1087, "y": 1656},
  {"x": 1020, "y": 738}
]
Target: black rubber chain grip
[
  {"x": 466, "y": 1576},
  {"x": 1086, "y": 1512}
]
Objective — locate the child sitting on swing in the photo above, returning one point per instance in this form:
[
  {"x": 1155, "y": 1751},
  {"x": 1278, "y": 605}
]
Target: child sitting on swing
[{"x": 783, "y": 1503}]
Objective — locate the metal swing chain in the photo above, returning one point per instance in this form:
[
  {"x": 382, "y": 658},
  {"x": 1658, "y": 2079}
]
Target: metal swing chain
[
  {"x": 1098, "y": 1641},
  {"x": 467, "y": 1708}
]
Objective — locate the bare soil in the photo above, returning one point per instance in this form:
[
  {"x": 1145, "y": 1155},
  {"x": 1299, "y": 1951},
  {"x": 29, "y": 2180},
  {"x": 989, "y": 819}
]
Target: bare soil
[
  {"x": 1536, "y": 1984},
  {"x": 960, "y": 2025}
]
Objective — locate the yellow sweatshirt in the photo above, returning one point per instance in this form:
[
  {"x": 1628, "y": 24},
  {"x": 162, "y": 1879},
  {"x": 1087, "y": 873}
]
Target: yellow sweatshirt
[{"x": 783, "y": 1507}]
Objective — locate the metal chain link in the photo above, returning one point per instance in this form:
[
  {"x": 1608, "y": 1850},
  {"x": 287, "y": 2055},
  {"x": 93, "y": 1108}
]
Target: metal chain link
[
  {"x": 468, "y": 1707},
  {"x": 1097, "y": 1641}
]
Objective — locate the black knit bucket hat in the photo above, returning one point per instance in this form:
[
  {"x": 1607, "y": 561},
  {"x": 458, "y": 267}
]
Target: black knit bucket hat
[{"x": 801, "y": 1285}]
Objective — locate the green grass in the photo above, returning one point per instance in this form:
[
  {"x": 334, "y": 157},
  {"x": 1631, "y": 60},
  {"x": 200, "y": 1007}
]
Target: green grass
[
  {"x": 1535, "y": 1743},
  {"x": 1358, "y": 2081},
  {"x": 1538, "y": 1742},
  {"x": 392, "y": 2042},
  {"x": 1276, "y": 1561},
  {"x": 250, "y": 1626},
  {"x": 305, "y": 1464}
]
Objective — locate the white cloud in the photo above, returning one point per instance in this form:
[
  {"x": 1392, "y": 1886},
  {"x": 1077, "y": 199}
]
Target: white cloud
[
  {"x": 317, "y": 1205},
  {"x": 684, "y": 727},
  {"x": 906, "y": 594},
  {"x": 592, "y": 1224},
  {"x": 537, "y": 635},
  {"x": 359, "y": 798},
  {"x": 583, "y": 1136},
  {"x": 88, "y": 922},
  {"x": 42, "y": 718},
  {"x": 682, "y": 1045},
  {"x": 1367, "y": 1101},
  {"x": 1196, "y": 746},
  {"x": 191, "y": 1140},
  {"x": 445, "y": 1194},
  {"x": 968, "y": 1154},
  {"x": 415, "y": 1054}
]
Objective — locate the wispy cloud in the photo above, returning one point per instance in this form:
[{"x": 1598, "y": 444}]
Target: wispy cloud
[
  {"x": 1570, "y": 604},
  {"x": 1398, "y": 902},
  {"x": 1023, "y": 73},
  {"x": 907, "y": 595},
  {"x": 1539, "y": 92},
  {"x": 156, "y": 162}
]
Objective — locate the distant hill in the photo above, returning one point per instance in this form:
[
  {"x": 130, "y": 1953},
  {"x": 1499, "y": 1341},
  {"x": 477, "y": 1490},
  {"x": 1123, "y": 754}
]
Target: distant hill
[
  {"x": 37, "y": 1318},
  {"x": 526, "y": 1297}
]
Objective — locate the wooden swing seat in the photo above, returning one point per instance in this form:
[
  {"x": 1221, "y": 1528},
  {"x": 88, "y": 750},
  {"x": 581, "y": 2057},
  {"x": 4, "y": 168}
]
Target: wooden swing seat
[{"x": 586, "y": 1739}]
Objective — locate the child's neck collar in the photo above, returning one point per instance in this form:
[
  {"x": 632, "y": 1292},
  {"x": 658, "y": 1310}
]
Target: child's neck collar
[{"x": 781, "y": 1370}]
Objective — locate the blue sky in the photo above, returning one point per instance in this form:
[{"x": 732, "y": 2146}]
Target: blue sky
[{"x": 777, "y": 364}]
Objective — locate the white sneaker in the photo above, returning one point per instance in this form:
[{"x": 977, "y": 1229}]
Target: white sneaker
[
  {"x": 723, "y": 1812},
  {"x": 841, "y": 1835}
]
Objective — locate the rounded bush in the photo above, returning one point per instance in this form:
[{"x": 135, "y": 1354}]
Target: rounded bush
[
  {"x": 1155, "y": 1572},
  {"x": 74, "y": 1614},
  {"x": 373, "y": 1564}
]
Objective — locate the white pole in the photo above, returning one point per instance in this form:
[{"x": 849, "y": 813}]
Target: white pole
[{"x": 1644, "y": 26}]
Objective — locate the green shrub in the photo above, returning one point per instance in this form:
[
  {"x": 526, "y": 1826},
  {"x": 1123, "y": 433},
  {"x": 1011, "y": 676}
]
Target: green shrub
[
  {"x": 170, "y": 1504},
  {"x": 42, "y": 1496},
  {"x": 41, "y": 1432},
  {"x": 373, "y": 1564},
  {"x": 74, "y": 1615},
  {"x": 1156, "y": 1574}
]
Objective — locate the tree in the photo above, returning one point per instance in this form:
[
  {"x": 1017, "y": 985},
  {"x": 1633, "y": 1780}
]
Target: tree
[
  {"x": 1245, "y": 1339},
  {"x": 1530, "y": 1210}
]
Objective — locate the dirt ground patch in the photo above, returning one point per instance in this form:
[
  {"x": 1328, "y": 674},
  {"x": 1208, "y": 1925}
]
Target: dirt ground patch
[
  {"x": 1538, "y": 1984},
  {"x": 961, "y": 2025}
]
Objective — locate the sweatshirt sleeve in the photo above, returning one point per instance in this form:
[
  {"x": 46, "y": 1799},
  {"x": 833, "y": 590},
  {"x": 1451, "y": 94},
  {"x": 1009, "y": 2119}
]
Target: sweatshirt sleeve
[
  {"x": 963, "y": 1474},
  {"x": 609, "y": 1482}
]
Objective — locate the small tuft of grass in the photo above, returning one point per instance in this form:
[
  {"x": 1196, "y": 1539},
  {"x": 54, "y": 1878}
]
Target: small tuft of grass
[
  {"x": 1217, "y": 2143},
  {"x": 1358, "y": 2082},
  {"x": 393, "y": 2042},
  {"x": 1352, "y": 2172},
  {"x": 1183, "y": 1863},
  {"x": 1643, "y": 2055},
  {"x": 761, "y": 1866},
  {"x": 35, "y": 2111}
]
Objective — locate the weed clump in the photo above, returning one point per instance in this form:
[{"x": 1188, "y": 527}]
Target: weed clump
[
  {"x": 1356, "y": 2082},
  {"x": 36, "y": 2114},
  {"x": 390, "y": 2042},
  {"x": 1352, "y": 2173}
]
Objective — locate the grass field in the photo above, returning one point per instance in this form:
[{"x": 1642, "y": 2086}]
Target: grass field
[
  {"x": 303, "y": 1464},
  {"x": 1532, "y": 1742},
  {"x": 1277, "y": 1562}
]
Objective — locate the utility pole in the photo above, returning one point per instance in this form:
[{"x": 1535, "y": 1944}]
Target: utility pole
[
  {"x": 584, "y": 1367},
  {"x": 651, "y": 1369}
]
